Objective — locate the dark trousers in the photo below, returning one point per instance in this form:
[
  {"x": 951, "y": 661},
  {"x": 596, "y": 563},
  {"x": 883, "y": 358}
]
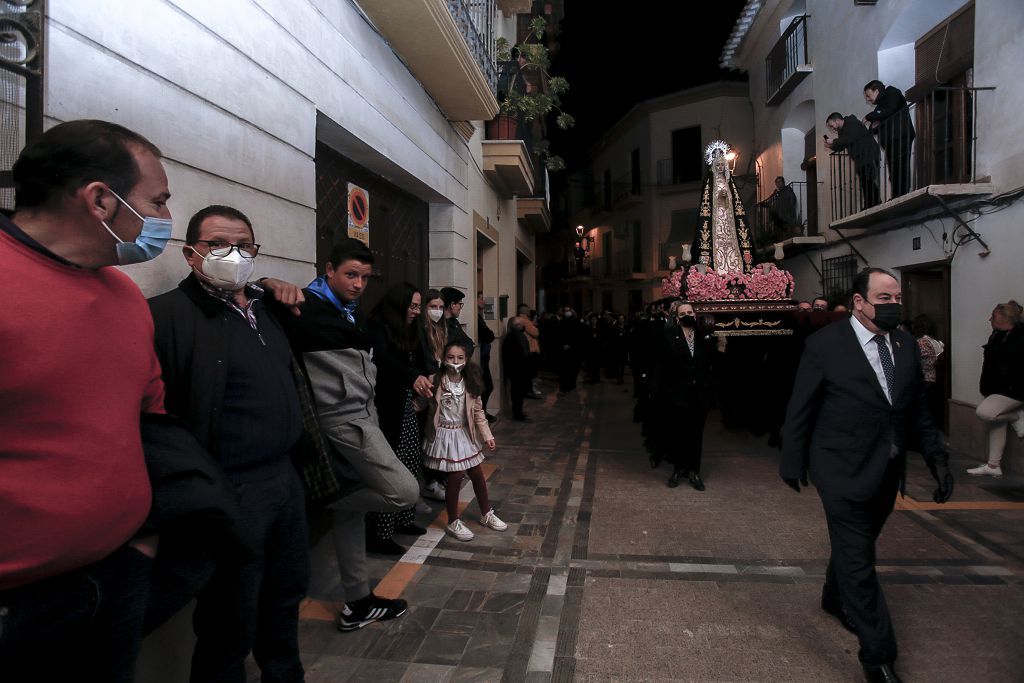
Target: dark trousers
[
  {"x": 568, "y": 371},
  {"x": 850, "y": 580},
  {"x": 83, "y": 625},
  {"x": 519, "y": 381},
  {"x": 868, "y": 176},
  {"x": 255, "y": 604},
  {"x": 485, "y": 365},
  {"x": 682, "y": 436},
  {"x": 897, "y": 158}
]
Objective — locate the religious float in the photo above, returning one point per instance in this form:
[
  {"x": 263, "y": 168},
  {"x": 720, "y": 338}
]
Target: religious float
[
  {"x": 748, "y": 303},
  {"x": 733, "y": 295}
]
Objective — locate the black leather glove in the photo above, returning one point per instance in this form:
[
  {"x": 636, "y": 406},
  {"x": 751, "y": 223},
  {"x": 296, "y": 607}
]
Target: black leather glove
[
  {"x": 940, "y": 470},
  {"x": 795, "y": 483}
]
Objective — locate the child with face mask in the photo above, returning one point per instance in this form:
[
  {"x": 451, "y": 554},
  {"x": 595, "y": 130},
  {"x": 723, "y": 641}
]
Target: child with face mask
[{"x": 457, "y": 430}]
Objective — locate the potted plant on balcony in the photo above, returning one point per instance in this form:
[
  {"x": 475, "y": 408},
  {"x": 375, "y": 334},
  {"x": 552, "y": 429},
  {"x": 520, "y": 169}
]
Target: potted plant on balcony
[{"x": 528, "y": 92}]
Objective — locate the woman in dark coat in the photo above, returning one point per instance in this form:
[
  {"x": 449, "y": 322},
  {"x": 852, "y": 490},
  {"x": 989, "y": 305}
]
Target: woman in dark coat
[
  {"x": 400, "y": 379},
  {"x": 682, "y": 388}
]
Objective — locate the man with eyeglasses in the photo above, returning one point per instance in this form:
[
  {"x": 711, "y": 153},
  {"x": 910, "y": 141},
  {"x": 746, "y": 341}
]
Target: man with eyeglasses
[
  {"x": 453, "y": 303},
  {"x": 227, "y": 370}
]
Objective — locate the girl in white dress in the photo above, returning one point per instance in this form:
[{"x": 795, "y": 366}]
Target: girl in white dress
[{"x": 457, "y": 430}]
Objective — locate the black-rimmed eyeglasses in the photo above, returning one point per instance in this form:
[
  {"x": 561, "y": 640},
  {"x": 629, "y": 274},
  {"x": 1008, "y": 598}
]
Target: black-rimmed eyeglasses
[{"x": 221, "y": 248}]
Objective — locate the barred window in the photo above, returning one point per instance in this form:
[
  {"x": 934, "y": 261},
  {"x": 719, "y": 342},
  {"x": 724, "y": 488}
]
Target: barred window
[{"x": 838, "y": 274}]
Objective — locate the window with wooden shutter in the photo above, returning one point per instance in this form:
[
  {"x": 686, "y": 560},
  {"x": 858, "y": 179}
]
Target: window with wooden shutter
[{"x": 944, "y": 53}]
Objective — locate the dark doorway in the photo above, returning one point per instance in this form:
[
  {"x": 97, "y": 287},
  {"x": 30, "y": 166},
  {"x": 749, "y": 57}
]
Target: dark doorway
[
  {"x": 398, "y": 222},
  {"x": 926, "y": 292},
  {"x": 687, "y": 155}
]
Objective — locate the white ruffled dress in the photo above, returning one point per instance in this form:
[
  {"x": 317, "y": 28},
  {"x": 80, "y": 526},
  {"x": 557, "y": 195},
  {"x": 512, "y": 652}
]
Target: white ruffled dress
[{"x": 452, "y": 450}]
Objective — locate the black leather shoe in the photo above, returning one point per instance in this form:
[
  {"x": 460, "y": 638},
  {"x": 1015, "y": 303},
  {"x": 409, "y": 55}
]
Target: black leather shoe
[
  {"x": 655, "y": 461},
  {"x": 410, "y": 530},
  {"x": 673, "y": 481},
  {"x": 836, "y": 610},
  {"x": 881, "y": 674},
  {"x": 388, "y": 547},
  {"x": 696, "y": 482}
]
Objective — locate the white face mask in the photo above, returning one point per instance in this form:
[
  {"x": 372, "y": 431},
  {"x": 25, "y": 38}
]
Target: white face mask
[
  {"x": 434, "y": 314},
  {"x": 230, "y": 272},
  {"x": 457, "y": 367}
]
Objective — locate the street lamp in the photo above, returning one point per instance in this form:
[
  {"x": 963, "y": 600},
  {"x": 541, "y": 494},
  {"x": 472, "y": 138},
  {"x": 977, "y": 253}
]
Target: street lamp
[{"x": 579, "y": 231}]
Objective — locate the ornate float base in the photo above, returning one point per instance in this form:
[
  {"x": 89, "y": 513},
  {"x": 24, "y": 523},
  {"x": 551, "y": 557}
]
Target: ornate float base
[{"x": 746, "y": 318}]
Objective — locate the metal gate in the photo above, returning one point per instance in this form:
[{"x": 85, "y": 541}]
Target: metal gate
[
  {"x": 398, "y": 223},
  {"x": 21, "y": 84}
]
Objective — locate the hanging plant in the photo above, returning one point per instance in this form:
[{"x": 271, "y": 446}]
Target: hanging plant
[{"x": 531, "y": 92}]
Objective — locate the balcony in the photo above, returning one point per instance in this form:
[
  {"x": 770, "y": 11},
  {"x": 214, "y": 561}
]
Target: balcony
[
  {"x": 785, "y": 219},
  {"x": 788, "y": 63},
  {"x": 672, "y": 179},
  {"x": 627, "y": 192},
  {"x": 533, "y": 214},
  {"x": 508, "y": 167},
  {"x": 449, "y": 47},
  {"x": 923, "y": 160},
  {"x": 510, "y": 7}
]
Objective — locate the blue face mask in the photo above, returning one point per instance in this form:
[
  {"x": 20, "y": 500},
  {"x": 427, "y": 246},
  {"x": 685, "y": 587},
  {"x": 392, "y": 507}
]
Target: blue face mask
[{"x": 148, "y": 245}]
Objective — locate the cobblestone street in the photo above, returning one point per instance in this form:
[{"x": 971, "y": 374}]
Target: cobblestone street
[{"x": 606, "y": 574}]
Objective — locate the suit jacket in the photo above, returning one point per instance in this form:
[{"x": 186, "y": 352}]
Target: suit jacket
[
  {"x": 840, "y": 425},
  {"x": 677, "y": 376},
  {"x": 856, "y": 139},
  {"x": 893, "y": 117}
]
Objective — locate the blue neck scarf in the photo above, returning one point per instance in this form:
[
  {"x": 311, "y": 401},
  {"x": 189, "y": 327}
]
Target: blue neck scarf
[{"x": 320, "y": 288}]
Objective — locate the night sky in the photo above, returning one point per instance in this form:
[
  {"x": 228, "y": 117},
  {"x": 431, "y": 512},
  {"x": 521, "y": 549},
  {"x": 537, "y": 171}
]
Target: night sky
[{"x": 615, "y": 55}]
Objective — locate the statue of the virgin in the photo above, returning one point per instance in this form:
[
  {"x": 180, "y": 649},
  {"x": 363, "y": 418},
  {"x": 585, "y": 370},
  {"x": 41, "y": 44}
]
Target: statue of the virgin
[{"x": 723, "y": 240}]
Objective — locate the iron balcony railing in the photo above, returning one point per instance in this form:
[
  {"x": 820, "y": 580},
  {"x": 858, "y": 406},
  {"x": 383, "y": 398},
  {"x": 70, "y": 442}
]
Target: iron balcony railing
[
  {"x": 782, "y": 215},
  {"x": 932, "y": 141},
  {"x": 789, "y": 52},
  {"x": 475, "y": 19}
]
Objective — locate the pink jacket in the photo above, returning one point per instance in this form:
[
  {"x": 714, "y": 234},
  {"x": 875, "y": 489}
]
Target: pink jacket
[{"x": 479, "y": 429}]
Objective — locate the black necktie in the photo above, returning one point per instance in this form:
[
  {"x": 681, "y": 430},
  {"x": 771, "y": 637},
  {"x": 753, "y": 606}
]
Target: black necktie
[{"x": 887, "y": 367}]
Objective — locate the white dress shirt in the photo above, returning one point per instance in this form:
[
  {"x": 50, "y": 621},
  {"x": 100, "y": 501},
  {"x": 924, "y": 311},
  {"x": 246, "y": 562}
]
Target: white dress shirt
[{"x": 870, "y": 349}]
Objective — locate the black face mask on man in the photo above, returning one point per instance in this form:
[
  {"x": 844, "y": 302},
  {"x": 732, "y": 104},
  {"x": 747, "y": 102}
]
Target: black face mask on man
[
  {"x": 887, "y": 316},
  {"x": 687, "y": 321}
]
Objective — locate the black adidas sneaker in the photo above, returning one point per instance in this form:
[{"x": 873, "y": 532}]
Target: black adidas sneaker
[{"x": 355, "y": 615}]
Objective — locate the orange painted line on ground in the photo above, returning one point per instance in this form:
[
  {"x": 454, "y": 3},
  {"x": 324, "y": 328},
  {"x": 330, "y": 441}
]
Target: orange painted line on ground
[
  {"x": 908, "y": 503},
  {"x": 395, "y": 581}
]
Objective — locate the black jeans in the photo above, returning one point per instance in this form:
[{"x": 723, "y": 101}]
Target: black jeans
[
  {"x": 853, "y": 528},
  {"x": 254, "y": 604},
  {"x": 83, "y": 625}
]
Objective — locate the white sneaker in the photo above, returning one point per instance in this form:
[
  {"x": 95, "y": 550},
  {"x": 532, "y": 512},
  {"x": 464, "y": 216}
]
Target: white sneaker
[
  {"x": 985, "y": 470},
  {"x": 491, "y": 521},
  {"x": 434, "y": 490},
  {"x": 1018, "y": 424},
  {"x": 459, "y": 531}
]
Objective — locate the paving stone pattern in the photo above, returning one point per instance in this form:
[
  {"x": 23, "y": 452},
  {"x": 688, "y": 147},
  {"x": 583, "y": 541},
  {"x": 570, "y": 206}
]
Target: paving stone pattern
[{"x": 605, "y": 574}]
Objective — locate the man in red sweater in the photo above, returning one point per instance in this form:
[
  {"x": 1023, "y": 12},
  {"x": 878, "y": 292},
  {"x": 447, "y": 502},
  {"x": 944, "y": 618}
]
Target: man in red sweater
[{"x": 77, "y": 369}]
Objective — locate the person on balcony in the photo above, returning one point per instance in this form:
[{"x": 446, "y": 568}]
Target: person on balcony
[
  {"x": 890, "y": 121},
  {"x": 782, "y": 207},
  {"x": 851, "y": 136}
]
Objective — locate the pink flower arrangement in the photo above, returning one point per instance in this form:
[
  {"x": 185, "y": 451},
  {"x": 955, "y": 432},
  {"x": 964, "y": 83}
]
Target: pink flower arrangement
[
  {"x": 773, "y": 284},
  {"x": 673, "y": 284},
  {"x": 709, "y": 286}
]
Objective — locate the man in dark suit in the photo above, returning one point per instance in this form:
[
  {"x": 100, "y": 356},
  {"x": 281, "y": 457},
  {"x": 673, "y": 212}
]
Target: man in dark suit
[
  {"x": 890, "y": 121},
  {"x": 853, "y": 137},
  {"x": 858, "y": 402},
  {"x": 682, "y": 387}
]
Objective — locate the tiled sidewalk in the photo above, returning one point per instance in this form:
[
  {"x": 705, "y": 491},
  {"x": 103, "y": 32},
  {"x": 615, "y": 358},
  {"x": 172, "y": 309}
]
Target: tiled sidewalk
[{"x": 606, "y": 574}]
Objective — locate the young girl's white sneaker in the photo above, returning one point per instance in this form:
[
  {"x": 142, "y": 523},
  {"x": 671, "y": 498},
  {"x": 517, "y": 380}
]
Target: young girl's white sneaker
[
  {"x": 491, "y": 521},
  {"x": 459, "y": 531},
  {"x": 986, "y": 470}
]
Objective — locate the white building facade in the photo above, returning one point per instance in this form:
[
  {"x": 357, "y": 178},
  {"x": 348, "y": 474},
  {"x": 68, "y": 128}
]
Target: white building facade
[
  {"x": 637, "y": 204},
  {"x": 276, "y": 106},
  {"x": 955, "y": 237}
]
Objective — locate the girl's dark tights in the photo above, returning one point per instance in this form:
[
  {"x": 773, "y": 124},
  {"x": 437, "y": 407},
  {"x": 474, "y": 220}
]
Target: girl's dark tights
[{"x": 451, "y": 496}]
